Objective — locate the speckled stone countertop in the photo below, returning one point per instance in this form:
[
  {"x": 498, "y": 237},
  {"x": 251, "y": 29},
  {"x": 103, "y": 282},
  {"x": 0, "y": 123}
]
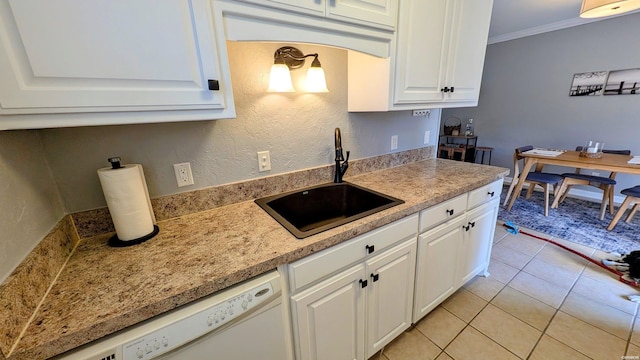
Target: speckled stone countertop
[{"x": 102, "y": 289}]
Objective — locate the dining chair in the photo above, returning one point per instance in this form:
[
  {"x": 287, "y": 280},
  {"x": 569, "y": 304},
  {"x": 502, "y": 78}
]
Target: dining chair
[
  {"x": 537, "y": 177},
  {"x": 605, "y": 183},
  {"x": 633, "y": 197}
]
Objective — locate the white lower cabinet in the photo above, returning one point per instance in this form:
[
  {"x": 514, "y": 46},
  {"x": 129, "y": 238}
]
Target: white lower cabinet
[
  {"x": 478, "y": 240},
  {"x": 358, "y": 310},
  {"x": 390, "y": 294},
  {"x": 452, "y": 253},
  {"x": 350, "y": 300},
  {"x": 437, "y": 265},
  {"x": 329, "y": 317}
]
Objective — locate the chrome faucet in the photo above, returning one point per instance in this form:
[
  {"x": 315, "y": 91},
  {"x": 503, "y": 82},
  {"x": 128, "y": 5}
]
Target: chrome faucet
[{"x": 342, "y": 164}]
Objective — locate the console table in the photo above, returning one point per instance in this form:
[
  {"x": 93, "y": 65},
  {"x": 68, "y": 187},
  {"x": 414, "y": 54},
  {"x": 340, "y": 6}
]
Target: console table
[{"x": 458, "y": 147}]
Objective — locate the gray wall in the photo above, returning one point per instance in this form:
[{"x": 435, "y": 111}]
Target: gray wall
[
  {"x": 296, "y": 128},
  {"x": 525, "y": 100},
  {"x": 30, "y": 205}
]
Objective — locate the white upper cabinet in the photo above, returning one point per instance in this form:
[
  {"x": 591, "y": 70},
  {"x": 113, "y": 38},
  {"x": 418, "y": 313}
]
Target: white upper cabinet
[
  {"x": 101, "y": 58},
  {"x": 468, "y": 35},
  {"x": 438, "y": 62},
  {"x": 375, "y": 13}
]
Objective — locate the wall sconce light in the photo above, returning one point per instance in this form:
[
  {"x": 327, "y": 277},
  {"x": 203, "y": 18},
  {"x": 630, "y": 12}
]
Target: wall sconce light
[
  {"x": 601, "y": 8},
  {"x": 289, "y": 58}
]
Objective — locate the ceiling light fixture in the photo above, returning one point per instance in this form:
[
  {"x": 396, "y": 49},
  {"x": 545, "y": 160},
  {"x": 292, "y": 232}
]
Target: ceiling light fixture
[
  {"x": 289, "y": 58},
  {"x": 601, "y": 8}
]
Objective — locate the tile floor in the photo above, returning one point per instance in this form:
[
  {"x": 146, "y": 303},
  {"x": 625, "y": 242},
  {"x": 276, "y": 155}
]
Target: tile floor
[{"x": 540, "y": 302}]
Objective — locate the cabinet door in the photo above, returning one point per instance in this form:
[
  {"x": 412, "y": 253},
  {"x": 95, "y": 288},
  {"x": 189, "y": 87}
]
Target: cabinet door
[
  {"x": 478, "y": 240},
  {"x": 89, "y": 56},
  {"x": 468, "y": 44},
  {"x": 421, "y": 45},
  {"x": 376, "y": 13},
  {"x": 390, "y": 294},
  {"x": 436, "y": 270},
  {"x": 329, "y": 317},
  {"x": 314, "y": 7}
]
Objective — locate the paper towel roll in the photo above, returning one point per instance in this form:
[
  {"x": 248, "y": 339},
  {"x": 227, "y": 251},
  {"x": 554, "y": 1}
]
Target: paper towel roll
[{"x": 125, "y": 190}]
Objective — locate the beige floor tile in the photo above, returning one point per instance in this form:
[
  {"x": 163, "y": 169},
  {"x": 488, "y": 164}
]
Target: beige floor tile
[
  {"x": 612, "y": 293},
  {"x": 564, "y": 275},
  {"x": 600, "y": 315},
  {"x": 507, "y": 330},
  {"x": 444, "y": 356},
  {"x": 551, "y": 349},
  {"x": 524, "y": 230},
  {"x": 587, "y": 339},
  {"x": 501, "y": 271},
  {"x": 635, "y": 335},
  {"x": 524, "y": 307},
  {"x": 633, "y": 351},
  {"x": 411, "y": 345},
  {"x": 440, "y": 326},
  {"x": 540, "y": 289},
  {"x": 473, "y": 345},
  {"x": 484, "y": 287},
  {"x": 500, "y": 233},
  {"x": 464, "y": 304},
  {"x": 556, "y": 255},
  {"x": 583, "y": 249},
  {"x": 596, "y": 272},
  {"x": 523, "y": 243},
  {"x": 509, "y": 256}
]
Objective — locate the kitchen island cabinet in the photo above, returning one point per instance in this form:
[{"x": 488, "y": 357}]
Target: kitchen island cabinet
[{"x": 71, "y": 63}]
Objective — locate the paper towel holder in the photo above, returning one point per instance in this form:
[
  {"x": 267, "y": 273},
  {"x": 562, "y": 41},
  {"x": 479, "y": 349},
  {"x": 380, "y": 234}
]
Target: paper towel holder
[{"x": 114, "y": 241}]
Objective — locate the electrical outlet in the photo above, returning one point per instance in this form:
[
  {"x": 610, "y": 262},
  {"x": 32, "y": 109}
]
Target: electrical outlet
[
  {"x": 427, "y": 135},
  {"x": 264, "y": 161},
  {"x": 184, "y": 177},
  {"x": 421, "y": 113},
  {"x": 394, "y": 142}
]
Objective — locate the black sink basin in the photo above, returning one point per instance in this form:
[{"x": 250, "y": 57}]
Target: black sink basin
[{"x": 312, "y": 210}]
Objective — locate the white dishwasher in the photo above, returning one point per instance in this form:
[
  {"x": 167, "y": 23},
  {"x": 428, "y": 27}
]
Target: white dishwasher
[{"x": 242, "y": 322}]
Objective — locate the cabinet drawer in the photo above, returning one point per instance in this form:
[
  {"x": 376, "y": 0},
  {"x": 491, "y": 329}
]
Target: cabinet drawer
[
  {"x": 484, "y": 194},
  {"x": 315, "y": 267},
  {"x": 442, "y": 212}
]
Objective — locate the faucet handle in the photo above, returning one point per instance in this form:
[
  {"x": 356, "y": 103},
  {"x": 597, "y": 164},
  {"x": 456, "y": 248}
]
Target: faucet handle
[{"x": 347, "y": 159}]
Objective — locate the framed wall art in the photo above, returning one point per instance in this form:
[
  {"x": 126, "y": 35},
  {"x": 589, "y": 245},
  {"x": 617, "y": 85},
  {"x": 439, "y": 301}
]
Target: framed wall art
[
  {"x": 623, "y": 82},
  {"x": 588, "y": 83}
]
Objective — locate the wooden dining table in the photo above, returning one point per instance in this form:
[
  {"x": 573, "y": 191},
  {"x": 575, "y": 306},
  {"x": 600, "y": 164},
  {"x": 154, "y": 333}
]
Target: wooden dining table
[{"x": 608, "y": 162}]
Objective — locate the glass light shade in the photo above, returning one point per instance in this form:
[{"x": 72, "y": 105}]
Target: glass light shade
[
  {"x": 600, "y": 8},
  {"x": 280, "y": 79},
  {"x": 316, "y": 81}
]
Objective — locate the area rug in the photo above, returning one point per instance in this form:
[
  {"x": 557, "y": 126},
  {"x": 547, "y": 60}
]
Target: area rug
[{"x": 574, "y": 220}]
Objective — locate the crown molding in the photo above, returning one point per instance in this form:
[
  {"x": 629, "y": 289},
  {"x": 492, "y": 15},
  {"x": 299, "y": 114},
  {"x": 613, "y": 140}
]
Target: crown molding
[{"x": 548, "y": 28}]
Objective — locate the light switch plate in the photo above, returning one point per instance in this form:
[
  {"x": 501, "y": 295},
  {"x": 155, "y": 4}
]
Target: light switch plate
[
  {"x": 394, "y": 142},
  {"x": 264, "y": 161}
]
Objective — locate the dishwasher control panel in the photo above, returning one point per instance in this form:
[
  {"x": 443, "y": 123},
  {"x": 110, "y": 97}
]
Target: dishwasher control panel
[
  {"x": 184, "y": 330},
  {"x": 168, "y": 331}
]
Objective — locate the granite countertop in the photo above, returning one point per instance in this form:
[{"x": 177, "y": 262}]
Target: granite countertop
[{"x": 102, "y": 289}]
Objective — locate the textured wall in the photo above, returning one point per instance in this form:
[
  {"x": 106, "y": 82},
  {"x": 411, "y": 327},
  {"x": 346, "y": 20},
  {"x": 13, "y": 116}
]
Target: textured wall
[
  {"x": 30, "y": 204},
  {"x": 524, "y": 97},
  {"x": 297, "y": 129}
]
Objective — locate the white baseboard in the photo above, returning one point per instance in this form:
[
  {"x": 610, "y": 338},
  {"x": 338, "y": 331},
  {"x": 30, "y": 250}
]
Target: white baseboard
[{"x": 578, "y": 193}]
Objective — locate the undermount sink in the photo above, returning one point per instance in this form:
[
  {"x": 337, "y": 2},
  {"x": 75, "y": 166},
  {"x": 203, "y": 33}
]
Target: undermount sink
[{"x": 312, "y": 210}]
